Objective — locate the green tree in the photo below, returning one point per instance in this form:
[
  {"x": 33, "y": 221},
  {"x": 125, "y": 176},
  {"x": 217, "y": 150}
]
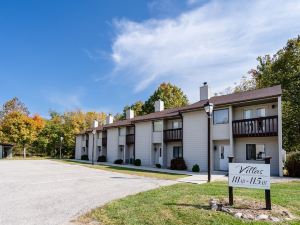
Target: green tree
[
  {"x": 172, "y": 96},
  {"x": 284, "y": 68},
  {"x": 137, "y": 107}
]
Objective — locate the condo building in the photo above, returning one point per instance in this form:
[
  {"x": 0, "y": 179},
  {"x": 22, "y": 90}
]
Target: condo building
[{"x": 246, "y": 125}]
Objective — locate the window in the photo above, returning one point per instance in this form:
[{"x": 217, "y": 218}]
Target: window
[
  {"x": 221, "y": 116},
  {"x": 99, "y": 149},
  {"x": 222, "y": 152},
  {"x": 83, "y": 149},
  {"x": 177, "y": 152},
  {"x": 260, "y": 151},
  {"x": 99, "y": 135},
  {"x": 252, "y": 113},
  {"x": 159, "y": 152},
  {"x": 122, "y": 131},
  {"x": 254, "y": 151},
  {"x": 251, "y": 152},
  {"x": 248, "y": 114},
  {"x": 261, "y": 112},
  {"x": 176, "y": 124},
  {"x": 121, "y": 148},
  {"x": 157, "y": 126}
]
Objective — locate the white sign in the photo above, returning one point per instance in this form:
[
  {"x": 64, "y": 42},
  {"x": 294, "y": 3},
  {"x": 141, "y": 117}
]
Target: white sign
[{"x": 249, "y": 175}]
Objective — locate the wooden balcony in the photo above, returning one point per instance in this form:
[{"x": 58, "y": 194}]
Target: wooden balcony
[
  {"x": 173, "y": 135},
  {"x": 104, "y": 141},
  {"x": 256, "y": 127},
  {"x": 130, "y": 139}
]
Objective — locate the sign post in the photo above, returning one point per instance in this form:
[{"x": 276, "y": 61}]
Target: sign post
[
  {"x": 230, "y": 188},
  {"x": 249, "y": 175},
  {"x": 268, "y": 191}
]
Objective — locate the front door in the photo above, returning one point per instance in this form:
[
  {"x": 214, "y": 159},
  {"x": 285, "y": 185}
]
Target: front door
[{"x": 223, "y": 157}]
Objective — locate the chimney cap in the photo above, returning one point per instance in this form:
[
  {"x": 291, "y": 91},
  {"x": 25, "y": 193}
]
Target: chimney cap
[{"x": 205, "y": 83}]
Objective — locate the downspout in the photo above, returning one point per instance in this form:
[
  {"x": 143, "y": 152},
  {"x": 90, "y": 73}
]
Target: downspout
[
  {"x": 182, "y": 133},
  {"x": 134, "y": 144}
]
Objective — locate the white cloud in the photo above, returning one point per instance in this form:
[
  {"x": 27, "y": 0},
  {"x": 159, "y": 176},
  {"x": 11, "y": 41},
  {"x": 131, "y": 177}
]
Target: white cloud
[
  {"x": 67, "y": 101},
  {"x": 217, "y": 42}
]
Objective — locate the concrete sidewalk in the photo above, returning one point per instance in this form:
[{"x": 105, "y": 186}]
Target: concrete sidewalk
[{"x": 195, "y": 178}]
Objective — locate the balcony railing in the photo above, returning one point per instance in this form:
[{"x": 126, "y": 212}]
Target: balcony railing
[
  {"x": 256, "y": 127},
  {"x": 173, "y": 135},
  {"x": 129, "y": 139},
  {"x": 104, "y": 141}
]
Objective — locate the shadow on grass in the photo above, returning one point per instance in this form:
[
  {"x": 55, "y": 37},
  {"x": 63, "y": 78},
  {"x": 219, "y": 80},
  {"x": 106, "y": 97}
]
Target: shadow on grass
[
  {"x": 197, "y": 206},
  {"x": 120, "y": 168}
]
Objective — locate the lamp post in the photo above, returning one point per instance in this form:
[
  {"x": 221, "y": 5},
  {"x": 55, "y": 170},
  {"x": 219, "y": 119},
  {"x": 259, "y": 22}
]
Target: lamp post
[
  {"x": 208, "y": 107},
  {"x": 61, "y": 140},
  {"x": 93, "y": 150}
]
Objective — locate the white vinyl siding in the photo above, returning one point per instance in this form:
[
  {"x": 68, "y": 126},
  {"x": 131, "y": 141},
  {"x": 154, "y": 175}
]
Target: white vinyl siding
[
  {"x": 143, "y": 142},
  {"x": 112, "y": 144},
  {"x": 195, "y": 139},
  {"x": 271, "y": 149},
  {"x": 78, "y": 146}
]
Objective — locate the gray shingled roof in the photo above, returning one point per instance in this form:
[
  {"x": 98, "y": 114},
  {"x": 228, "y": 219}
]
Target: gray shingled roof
[{"x": 234, "y": 98}]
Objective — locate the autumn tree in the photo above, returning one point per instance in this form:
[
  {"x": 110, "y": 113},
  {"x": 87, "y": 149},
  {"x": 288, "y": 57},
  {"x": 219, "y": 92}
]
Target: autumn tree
[
  {"x": 13, "y": 105},
  {"x": 171, "y": 95},
  {"x": 246, "y": 83},
  {"x": 20, "y": 129}
]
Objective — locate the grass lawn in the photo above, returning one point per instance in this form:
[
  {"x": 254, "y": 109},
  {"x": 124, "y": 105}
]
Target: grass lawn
[
  {"x": 137, "y": 172},
  {"x": 27, "y": 158},
  {"x": 183, "y": 204}
]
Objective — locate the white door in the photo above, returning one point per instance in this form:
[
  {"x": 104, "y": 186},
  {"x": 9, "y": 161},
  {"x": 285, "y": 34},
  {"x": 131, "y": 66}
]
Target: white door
[
  {"x": 160, "y": 156},
  {"x": 223, "y": 157}
]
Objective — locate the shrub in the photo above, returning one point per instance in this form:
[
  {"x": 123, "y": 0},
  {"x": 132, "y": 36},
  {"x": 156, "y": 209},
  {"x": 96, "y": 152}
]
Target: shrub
[
  {"x": 118, "y": 161},
  {"x": 158, "y": 165},
  {"x": 292, "y": 164},
  {"x": 131, "y": 160},
  {"x": 137, "y": 162},
  {"x": 84, "y": 157},
  {"x": 178, "y": 164},
  {"x": 196, "y": 168},
  {"x": 101, "y": 158}
]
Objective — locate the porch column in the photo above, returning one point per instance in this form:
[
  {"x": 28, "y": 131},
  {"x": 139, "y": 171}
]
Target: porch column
[
  {"x": 164, "y": 164},
  {"x": 124, "y": 154},
  {"x": 280, "y": 163},
  {"x": 231, "y": 144}
]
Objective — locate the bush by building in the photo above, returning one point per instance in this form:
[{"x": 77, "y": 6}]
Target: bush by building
[
  {"x": 84, "y": 157},
  {"x": 178, "y": 164},
  {"x": 292, "y": 164}
]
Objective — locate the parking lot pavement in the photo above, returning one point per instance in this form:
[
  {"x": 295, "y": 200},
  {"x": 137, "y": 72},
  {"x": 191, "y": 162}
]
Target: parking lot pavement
[{"x": 45, "y": 192}]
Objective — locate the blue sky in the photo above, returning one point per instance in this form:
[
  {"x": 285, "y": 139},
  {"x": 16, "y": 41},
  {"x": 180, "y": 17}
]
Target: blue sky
[{"x": 103, "y": 54}]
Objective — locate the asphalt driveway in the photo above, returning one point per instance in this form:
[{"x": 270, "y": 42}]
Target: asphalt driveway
[{"x": 44, "y": 192}]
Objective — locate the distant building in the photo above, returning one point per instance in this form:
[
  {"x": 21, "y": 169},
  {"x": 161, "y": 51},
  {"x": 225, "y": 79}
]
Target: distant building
[{"x": 5, "y": 150}]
